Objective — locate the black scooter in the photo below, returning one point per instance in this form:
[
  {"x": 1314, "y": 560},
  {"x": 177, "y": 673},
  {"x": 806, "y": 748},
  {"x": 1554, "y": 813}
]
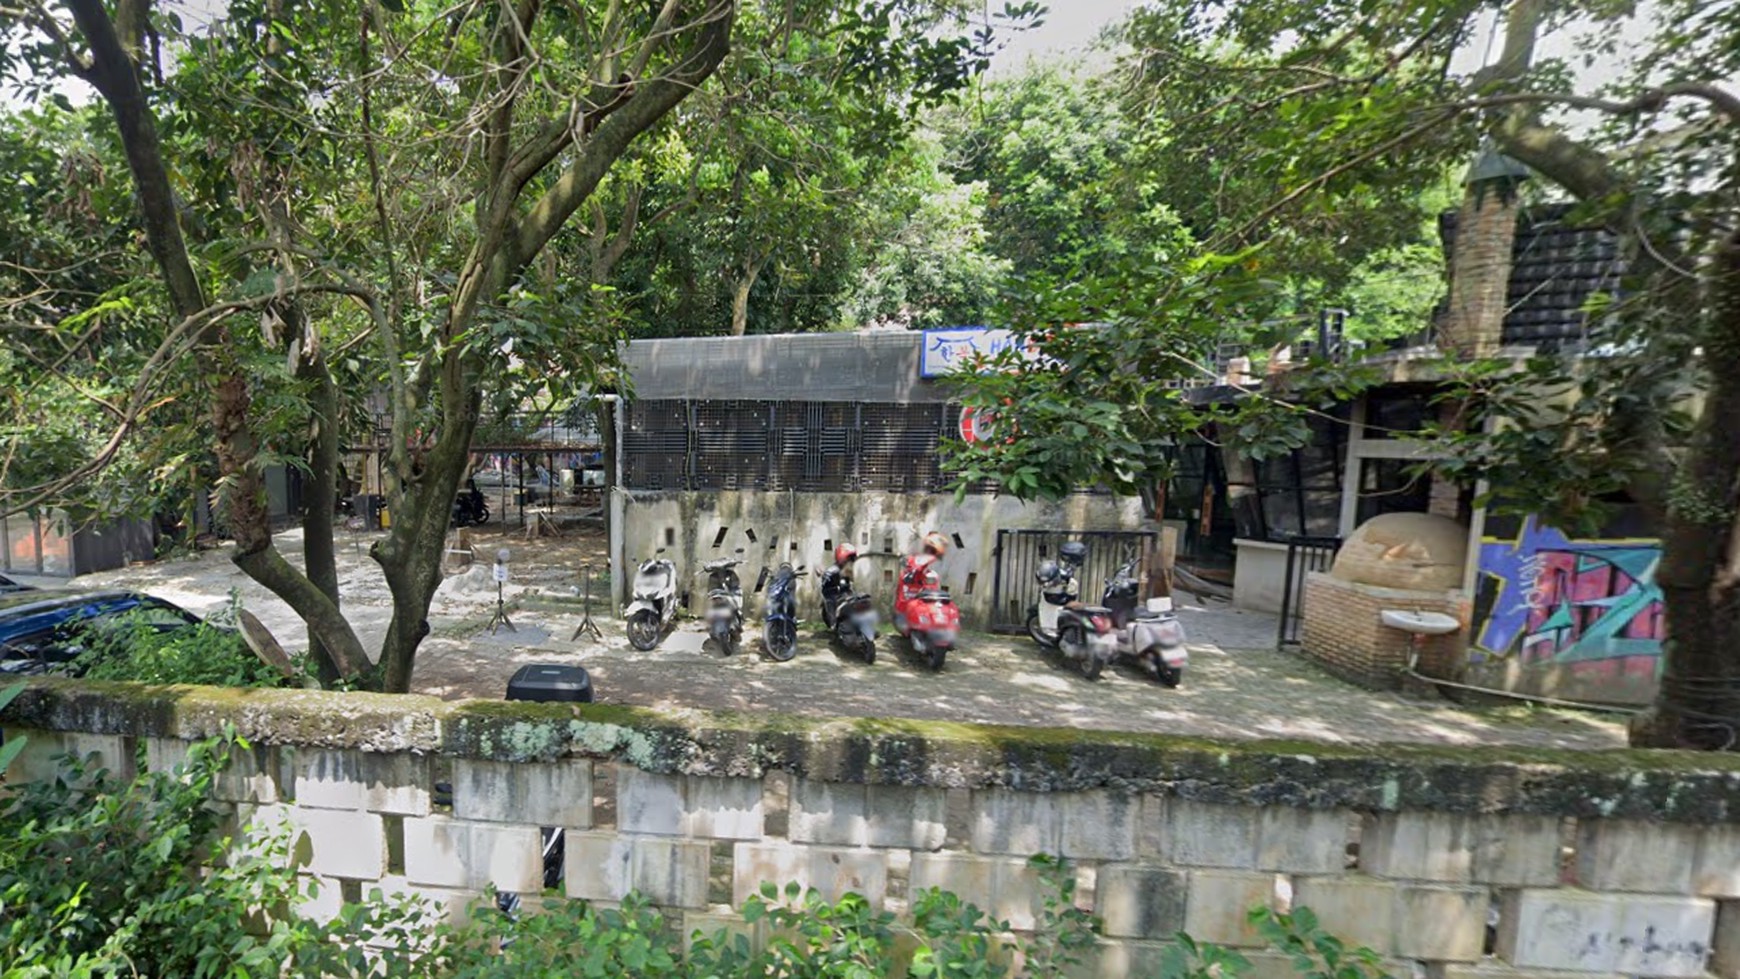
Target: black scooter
[
  {"x": 470, "y": 508},
  {"x": 847, "y": 611},
  {"x": 724, "y": 604},
  {"x": 779, "y": 616}
]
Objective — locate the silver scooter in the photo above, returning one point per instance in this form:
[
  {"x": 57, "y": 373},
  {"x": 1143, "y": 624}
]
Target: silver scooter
[{"x": 1154, "y": 638}]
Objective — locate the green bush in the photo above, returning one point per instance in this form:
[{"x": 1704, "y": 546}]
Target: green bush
[
  {"x": 103, "y": 876},
  {"x": 130, "y": 647}
]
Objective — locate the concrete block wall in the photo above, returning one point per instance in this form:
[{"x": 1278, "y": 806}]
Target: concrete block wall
[
  {"x": 1447, "y": 863},
  {"x": 1342, "y": 629}
]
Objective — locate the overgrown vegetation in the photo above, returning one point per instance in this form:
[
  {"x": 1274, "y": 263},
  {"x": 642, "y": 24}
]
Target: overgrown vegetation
[
  {"x": 104, "y": 875},
  {"x": 131, "y": 647},
  {"x": 100, "y": 875}
]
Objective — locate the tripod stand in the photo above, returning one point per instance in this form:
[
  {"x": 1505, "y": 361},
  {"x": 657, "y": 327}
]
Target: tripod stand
[
  {"x": 501, "y": 612},
  {"x": 587, "y": 626}
]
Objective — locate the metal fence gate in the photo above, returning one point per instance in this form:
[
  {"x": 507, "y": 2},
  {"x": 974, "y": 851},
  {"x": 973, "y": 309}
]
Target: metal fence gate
[
  {"x": 1019, "y": 554},
  {"x": 1304, "y": 555}
]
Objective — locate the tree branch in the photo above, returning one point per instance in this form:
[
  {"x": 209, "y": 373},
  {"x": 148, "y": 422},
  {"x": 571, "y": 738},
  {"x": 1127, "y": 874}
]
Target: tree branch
[
  {"x": 1654, "y": 100},
  {"x": 653, "y": 98}
]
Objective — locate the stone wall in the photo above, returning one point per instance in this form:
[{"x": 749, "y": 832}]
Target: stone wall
[
  {"x": 1593, "y": 864},
  {"x": 803, "y": 528},
  {"x": 1343, "y": 630}
]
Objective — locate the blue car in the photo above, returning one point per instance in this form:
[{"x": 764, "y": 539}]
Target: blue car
[{"x": 43, "y": 630}]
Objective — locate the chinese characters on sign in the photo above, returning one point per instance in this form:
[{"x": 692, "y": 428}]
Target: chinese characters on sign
[{"x": 949, "y": 350}]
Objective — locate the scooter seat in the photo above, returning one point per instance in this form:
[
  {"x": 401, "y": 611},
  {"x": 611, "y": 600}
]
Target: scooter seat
[
  {"x": 1147, "y": 613},
  {"x": 1093, "y": 610},
  {"x": 934, "y": 595}
]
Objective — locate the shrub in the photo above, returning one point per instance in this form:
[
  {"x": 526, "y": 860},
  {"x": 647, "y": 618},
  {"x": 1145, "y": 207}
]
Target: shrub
[
  {"x": 105, "y": 876},
  {"x": 129, "y": 647}
]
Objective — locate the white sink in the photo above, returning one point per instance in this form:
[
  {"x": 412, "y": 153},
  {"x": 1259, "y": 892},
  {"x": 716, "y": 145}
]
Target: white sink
[{"x": 1419, "y": 623}]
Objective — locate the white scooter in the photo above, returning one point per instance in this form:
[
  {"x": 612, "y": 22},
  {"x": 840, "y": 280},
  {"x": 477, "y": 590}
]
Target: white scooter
[
  {"x": 654, "y": 604},
  {"x": 1084, "y": 634}
]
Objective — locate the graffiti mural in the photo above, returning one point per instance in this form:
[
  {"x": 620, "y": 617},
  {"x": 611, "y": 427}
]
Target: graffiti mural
[{"x": 1591, "y": 605}]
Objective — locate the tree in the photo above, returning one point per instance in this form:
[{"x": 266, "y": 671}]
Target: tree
[
  {"x": 760, "y": 206},
  {"x": 376, "y": 191},
  {"x": 930, "y": 262},
  {"x": 1053, "y": 150},
  {"x": 1345, "y": 104}
]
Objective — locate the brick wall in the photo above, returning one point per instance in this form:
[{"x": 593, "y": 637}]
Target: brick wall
[
  {"x": 1404, "y": 849},
  {"x": 1343, "y": 630}
]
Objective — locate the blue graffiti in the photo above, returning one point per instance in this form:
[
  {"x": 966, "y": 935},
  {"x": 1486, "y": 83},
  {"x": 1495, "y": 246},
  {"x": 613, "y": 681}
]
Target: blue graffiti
[{"x": 1571, "y": 601}]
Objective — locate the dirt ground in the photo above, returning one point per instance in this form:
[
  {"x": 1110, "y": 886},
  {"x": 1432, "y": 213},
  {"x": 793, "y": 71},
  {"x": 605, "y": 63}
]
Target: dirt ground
[{"x": 1237, "y": 685}]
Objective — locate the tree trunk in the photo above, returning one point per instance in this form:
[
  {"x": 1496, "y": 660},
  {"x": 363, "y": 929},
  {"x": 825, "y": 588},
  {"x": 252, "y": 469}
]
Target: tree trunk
[
  {"x": 740, "y": 294},
  {"x": 1698, "y": 705},
  {"x": 411, "y": 554},
  {"x": 605, "y": 412},
  {"x": 318, "y": 553}
]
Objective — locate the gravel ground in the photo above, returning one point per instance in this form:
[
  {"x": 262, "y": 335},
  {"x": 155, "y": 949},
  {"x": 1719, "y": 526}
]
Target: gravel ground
[{"x": 1237, "y": 685}]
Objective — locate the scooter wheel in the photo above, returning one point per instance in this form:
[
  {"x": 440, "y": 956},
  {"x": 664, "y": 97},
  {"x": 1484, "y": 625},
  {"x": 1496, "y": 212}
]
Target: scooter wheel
[
  {"x": 643, "y": 630},
  {"x": 781, "y": 639},
  {"x": 1039, "y": 634},
  {"x": 723, "y": 641},
  {"x": 1171, "y": 677},
  {"x": 869, "y": 648},
  {"x": 1091, "y": 666},
  {"x": 937, "y": 654}
]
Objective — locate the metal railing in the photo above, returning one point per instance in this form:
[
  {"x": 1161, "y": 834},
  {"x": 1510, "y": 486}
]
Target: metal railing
[
  {"x": 1304, "y": 556},
  {"x": 1020, "y": 552}
]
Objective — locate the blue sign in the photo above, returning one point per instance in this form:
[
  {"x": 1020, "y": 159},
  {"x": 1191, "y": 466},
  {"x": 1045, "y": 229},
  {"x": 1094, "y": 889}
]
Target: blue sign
[{"x": 949, "y": 350}]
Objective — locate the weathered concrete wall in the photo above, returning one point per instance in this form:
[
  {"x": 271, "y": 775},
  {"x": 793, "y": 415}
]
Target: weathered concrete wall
[
  {"x": 1403, "y": 848},
  {"x": 804, "y": 527},
  {"x": 1260, "y": 575}
]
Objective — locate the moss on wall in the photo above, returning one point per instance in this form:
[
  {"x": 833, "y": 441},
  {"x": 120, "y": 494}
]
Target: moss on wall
[{"x": 1680, "y": 786}]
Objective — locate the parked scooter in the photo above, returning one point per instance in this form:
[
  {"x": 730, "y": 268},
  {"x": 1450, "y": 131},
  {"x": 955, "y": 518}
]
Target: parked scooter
[
  {"x": 470, "y": 508},
  {"x": 724, "y": 604},
  {"x": 923, "y": 611},
  {"x": 655, "y": 602},
  {"x": 1153, "y": 638},
  {"x": 847, "y": 611},
  {"x": 1082, "y": 633},
  {"x": 779, "y": 616}
]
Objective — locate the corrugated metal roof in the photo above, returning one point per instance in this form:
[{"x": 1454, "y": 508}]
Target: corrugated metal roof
[{"x": 875, "y": 365}]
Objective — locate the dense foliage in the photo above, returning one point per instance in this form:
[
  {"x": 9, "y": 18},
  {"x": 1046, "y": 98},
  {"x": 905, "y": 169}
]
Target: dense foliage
[
  {"x": 99, "y": 876},
  {"x": 131, "y": 647}
]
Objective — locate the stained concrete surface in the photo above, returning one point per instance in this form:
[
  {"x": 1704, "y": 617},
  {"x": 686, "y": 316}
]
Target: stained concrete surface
[{"x": 1237, "y": 686}]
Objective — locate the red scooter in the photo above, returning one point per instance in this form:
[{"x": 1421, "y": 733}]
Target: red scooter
[{"x": 923, "y": 611}]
